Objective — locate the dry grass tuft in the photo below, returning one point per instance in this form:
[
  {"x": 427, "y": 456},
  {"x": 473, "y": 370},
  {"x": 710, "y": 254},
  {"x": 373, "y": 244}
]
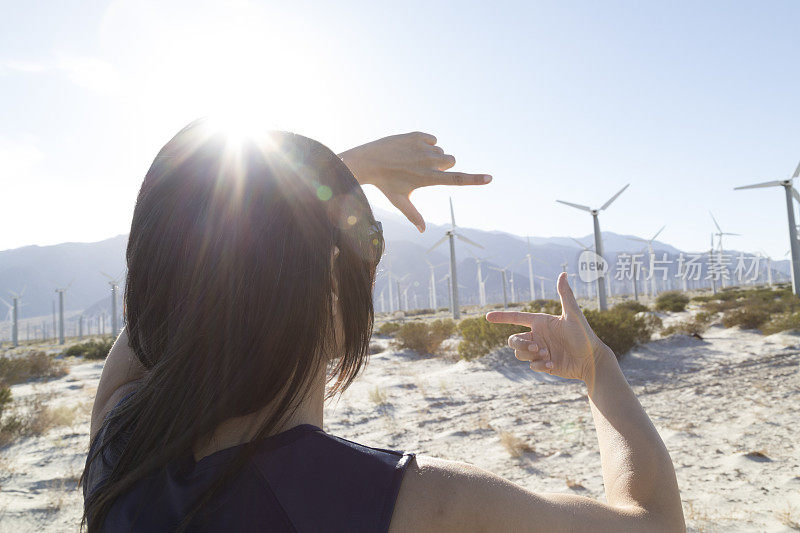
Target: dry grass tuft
[
  {"x": 34, "y": 418},
  {"x": 789, "y": 517},
  {"x": 573, "y": 484},
  {"x": 515, "y": 446},
  {"x": 378, "y": 396}
]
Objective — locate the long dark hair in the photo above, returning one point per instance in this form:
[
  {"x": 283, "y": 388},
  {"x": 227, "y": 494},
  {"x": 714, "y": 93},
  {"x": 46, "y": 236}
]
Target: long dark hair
[{"x": 229, "y": 294}]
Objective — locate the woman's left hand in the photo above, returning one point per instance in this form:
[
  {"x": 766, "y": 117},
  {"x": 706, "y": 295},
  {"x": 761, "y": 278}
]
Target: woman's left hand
[{"x": 399, "y": 164}]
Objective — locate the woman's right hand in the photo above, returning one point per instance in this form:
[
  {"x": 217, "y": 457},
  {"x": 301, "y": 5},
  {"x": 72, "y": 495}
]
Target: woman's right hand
[{"x": 560, "y": 345}]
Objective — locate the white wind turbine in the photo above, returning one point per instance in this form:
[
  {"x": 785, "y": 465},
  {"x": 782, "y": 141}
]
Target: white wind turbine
[
  {"x": 452, "y": 235},
  {"x": 766, "y": 256},
  {"x": 61, "y": 292},
  {"x": 481, "y": 280},
  {"x": 719, "y": 235},
  {"x": 790, "y": 192},
  {"x": 529, "y": 257},
  {"x": 542, "y": 279},
  {"x": 432, "y": 284},
  {"x": 651, "y": 253},
  {"x": 13, "y": 311},
  {"x": 114, "y": 284},
  {"x": 503, "y": 276},
  {"x": 588, "y": 288},
  {"x": 598, "y": 241}
]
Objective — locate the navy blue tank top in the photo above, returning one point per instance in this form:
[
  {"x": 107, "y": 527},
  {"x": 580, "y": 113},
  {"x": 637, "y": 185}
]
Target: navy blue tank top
[{"x": 300, "y": 480}]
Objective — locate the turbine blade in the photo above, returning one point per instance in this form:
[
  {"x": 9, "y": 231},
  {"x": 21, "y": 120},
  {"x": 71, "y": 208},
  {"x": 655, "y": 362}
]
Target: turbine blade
[
  {"x": 468, "y": 241},
  {"x": 795, "y": 194},
  {"x": 577, "y": 206},
  {"x": 608, "y": 203},
  {"x": 440, "y": 241},
  {"x": 452, "y": 214},
  {"x": 637, "y": 239},
  {"x": 580, "y": 243},
  {"x": 796, "y": 171},
  {"x": 658, "y": 233},
  {"x": 759, "y": 185},
  {"x": 715, "y": 221}
]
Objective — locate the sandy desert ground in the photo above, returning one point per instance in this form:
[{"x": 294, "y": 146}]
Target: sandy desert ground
[{"x": 726, "y": 406}]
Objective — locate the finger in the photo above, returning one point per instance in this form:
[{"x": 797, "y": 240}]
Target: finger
[
  {"x": 542, "y": 365},
  {"x": 526, "y": 355},
  {"x": 529, "y": 343},
  {"x": 510, "y": 317},
  {"x": 445, "y": 161},
  {"x": 569, "y": 305},
  {"x": 427, "y": 138},
  {"x": 437, "y": 150},
  {"x": 457, "y": 178},
  {"x": 403, "y": 203}
]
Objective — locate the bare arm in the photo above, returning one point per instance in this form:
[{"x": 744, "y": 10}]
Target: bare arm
[
  {"x": 638, "y": 475},
  {"x": 120, "y": 372}
]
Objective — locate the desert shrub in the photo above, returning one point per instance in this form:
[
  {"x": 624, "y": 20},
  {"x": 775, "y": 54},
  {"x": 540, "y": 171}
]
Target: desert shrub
[
  {"x": 750, "y": 317},
  {"x": 5, "y": 397},
  {"x": 92, "y": 349},
  {"x": 389, "y": 329},
  {"x": 621, "y": 329},
  {"x": 672, "y": 301},
  {"x": 425, "y": 337},
  {"x": 32, "y": 365},
  {"x": 480, "y": 337},
  {"x": 696, "y": 325},
  {"x": 632, "y": 306},
  {"x": 417, "y": 312},
  {"x": 551, "y": 307},
  {"x": 782, "y": 322}
]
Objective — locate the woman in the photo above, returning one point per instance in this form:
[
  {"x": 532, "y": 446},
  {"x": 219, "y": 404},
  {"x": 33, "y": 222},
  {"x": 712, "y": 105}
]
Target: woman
[{"x": 250, "y": 274}]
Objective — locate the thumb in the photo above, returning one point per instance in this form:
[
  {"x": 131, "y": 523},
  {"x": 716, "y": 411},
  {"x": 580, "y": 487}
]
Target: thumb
[
  {"x": 569, "y": 305},
  {"x": 403, "y": 203}
]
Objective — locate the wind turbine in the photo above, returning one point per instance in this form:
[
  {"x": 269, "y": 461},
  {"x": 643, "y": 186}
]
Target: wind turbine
[
  {"x": 542, "y": 279},
  {"x": 575, "y": 283},
  {"x": 719, "y": 235},
  {"x": 790, "y": 191},
  {"x": 598, "y": 241},
  {"x": 452, "y": 235},
  {"x": 60, "y": 293},
  {"x": 651, "y": 253},
  {"x": 505, "y": 295},
  {"x": 114, "y": 284},
  {"x": 710, "y": 260},
  {"x": 13, "y": 310},
  {"x": 766, "y": 256},
  {"x": 531, "y": 259},
  {"x": 481, "y": 280},
  {"x": 432, "y": 284}
]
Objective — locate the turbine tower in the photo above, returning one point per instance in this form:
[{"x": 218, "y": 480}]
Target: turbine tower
[
  {"x": 719, "y": 235},
  {"x": 790, "y": 191},
  {"x": 531, "y": 259},
  {"x": 503, "y": 275},
  {"x": 651, "y": 253},
  {"x": 13, "y": 310},
  {"x": 452, "y": 235},
  {"x": 598, "y": 242},
  {"x": 114, "y": 284},
  {"x": 481, "y": 280}
]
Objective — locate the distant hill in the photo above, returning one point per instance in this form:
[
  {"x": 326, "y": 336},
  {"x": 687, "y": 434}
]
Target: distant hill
[{"x": 39, "y": 270}]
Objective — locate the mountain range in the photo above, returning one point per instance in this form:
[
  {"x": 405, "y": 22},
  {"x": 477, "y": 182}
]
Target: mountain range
[{"x": 84, "y": 268}]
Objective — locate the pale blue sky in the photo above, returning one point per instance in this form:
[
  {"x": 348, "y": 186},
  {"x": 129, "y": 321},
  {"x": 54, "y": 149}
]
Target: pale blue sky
[{"x": 566, "y": 100}]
